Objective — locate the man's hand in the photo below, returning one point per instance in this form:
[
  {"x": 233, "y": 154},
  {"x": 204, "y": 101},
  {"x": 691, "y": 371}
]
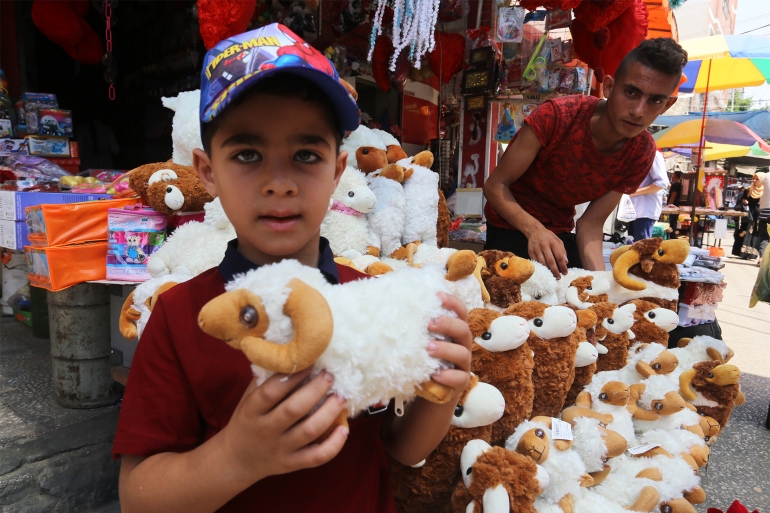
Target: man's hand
[
  {"x": 457, "y": 350},
  {"x": 548, "y": 249},
  {"x": 272, "y": 432}
]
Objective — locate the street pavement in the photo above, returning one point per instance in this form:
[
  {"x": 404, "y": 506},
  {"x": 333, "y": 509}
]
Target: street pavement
[{"x": 739, "y": 466}]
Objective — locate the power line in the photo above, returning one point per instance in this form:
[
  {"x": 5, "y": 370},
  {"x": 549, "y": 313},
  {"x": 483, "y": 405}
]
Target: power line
[{"x": 752, "y": 30}]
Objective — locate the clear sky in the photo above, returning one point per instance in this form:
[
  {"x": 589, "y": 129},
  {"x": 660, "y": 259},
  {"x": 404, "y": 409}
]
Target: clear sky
[{"x": 755, "y": 14}]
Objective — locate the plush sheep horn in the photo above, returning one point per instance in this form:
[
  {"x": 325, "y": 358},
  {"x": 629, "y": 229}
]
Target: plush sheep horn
[
  {"x": 617, "y": 253},
  {"x": 128, "y": 317},
  {"x": 481, "y": 264},
  {"x": 496, "y": 500},
  {"x": 685, "y": 382},
  {"x": 620, "y": 271},
  {"x": 730, "y": 354},
  {"x": 411, "y": 249}
]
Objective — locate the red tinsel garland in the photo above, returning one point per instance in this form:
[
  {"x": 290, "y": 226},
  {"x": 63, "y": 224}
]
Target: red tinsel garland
[{"x": 220, "y": 19}]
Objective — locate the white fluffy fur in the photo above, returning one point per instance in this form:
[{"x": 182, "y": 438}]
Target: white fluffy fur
[
  {"x": 674, "y": 441},
  {"x": 686, "y": 417},
  {"x": 541, "y": 286},
  {"x": 647, "y": 354},
  {"x": 145, "y": 291},
  {"x": 346, "y": 232},
  {"x": 589, "y": 443},
  {"x": 386, "y": 221},
  {"x": 362, "y": 136},
  {"x": 421, "y": 194},
  {"x": 186, "y": 131},
  {"x": 467, "y": 290},
  {"x": 656, "y": 388},
  {"x": 386, "y": 138},
  {"x": 617, "y": 294},
  {"x": 678, "y": 476},
  {"x": 622, "y": 422},
  {"x": 588, "y": 501},
  {"x": 194, "y": 247},
  {"x": 378, "y": 349},
  {"x": 695, "y": 352}
]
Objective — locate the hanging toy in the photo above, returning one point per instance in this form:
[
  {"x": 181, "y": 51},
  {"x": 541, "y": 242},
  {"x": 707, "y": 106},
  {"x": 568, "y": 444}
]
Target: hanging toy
[
  {"x": 220, "y": 19},
  {"x": 413, "y": 24}
]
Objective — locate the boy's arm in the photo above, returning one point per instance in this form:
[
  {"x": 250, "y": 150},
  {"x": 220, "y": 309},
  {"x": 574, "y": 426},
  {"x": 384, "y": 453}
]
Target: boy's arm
[
  {"x": 590, "y": 230},
  {"x": 411, "y": 438},
  {"x": 265, "y": 436}
]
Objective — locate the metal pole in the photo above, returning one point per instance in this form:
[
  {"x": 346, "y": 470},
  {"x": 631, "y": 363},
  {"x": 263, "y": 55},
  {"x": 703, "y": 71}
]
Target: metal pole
[
  {"x": 478, "y": 14},
  {"x": 701, "y": 155}
]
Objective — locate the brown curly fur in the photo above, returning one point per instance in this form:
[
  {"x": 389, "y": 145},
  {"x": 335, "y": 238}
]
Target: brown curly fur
[
  {"x": 645, "y": 330},
  {"x": 617, "y": 345},
  {"x": 509, "y": 371},
  {"x": 583, "y": 375},
  {"x": 195, "y": 194},
  {"x": 554, "y": 369},
  {"x": 517, "y": 473},
  {"x": 724, "y": 395},
  {"x": 664, "y": 274},
  {"x": 502, "y": 291},
  {"x": 428, "y": 489},
  {"x": 663, "y": 303},
  {"x": 444, "y": 221},
  {"x": 582, "y": 284}
]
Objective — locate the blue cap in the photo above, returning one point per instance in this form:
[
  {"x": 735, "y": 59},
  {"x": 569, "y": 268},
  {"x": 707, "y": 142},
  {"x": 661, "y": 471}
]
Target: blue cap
[{"x": 237, "y": 63}]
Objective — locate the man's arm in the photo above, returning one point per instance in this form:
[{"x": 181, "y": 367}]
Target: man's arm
[
  {"x": 590, "y": 230},
  {"x": 544, "y": 246},
  {"x": 650, "y": 189}
]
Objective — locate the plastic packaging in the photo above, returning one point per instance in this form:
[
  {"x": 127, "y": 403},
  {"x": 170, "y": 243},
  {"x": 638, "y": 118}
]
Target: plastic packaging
[
  {"x": 135, "y": 233},
  {"x": 60, "y": 267},
  {"x": 28, "y": 166},
  {"x": 510, "y": 25}
]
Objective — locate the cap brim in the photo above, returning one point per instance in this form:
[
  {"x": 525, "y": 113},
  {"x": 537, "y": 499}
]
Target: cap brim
[{"x": 346, "y": 109}]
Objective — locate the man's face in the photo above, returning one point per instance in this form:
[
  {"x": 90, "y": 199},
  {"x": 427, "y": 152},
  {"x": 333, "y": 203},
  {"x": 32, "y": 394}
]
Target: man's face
[
  {"x": 637, "y": 97},
  {"x": 274, "y": 165}
]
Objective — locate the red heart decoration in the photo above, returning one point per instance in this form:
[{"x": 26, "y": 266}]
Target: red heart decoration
[
  {"x": 62, "y": 22},
  {"x": 383, "y": 50},
  {"x": 448, "y": 55},
  {"x": 220, "y": 19}
]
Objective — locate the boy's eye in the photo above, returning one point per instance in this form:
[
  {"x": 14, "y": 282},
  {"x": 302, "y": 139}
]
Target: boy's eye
[
  {"x": 248, "y": 156},
  {"x": 306, "y": 157}
]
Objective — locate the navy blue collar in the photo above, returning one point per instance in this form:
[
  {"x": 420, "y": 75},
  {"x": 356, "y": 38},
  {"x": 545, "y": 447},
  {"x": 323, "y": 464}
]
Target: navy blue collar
[{"x": 234, "y": 263}]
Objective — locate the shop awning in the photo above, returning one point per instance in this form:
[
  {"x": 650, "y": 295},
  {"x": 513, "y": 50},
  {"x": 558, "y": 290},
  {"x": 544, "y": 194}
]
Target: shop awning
[{"x": 661, "y": 20}]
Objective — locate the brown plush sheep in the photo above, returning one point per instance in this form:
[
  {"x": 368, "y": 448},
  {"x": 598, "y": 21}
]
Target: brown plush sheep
[
  {"x": 428, "y": 488},
  {"x": 552, "y": 338},
  {"x": 587, "y": 290},
  {"x": 586, "y": 356},
  {"x": 502, "y": 358},
  {"x": 652, "y": 323},
  {"x": 443, "y": 222},
  {"x": 612, "y": 332},
  {"x": 712, "y": 387},
  {"x": 503, "y": 276}
]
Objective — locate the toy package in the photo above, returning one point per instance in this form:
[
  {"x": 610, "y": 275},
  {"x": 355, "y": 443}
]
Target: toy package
[
  {"x": 59, "y": 267},
  {"x": 510, "y": 25},
  {"x": 135, "y": 233},
  {"x": 53, "y": 122},
  {"x": 49, "y": 146}
]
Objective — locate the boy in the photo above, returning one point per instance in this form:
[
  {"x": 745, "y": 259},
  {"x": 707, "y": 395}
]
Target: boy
[{"x": 195, "y": 432}]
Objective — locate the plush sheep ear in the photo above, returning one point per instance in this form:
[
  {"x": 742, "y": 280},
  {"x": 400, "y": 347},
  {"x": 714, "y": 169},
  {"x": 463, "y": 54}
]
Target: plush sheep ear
[
  {"x": 128, "y": 317},
  {"x": 685, "y": 382},
  {"x": 683, "y": 342},
  {"x": 460, "y": 264},
  {"x": 636, "y": 390},
  {"x": 644, "y": 369},
  {"x": 714, "y": 354}
]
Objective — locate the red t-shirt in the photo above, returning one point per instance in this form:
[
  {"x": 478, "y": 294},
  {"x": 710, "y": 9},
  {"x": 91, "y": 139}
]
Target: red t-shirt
[
  {"x": 183, "y": 388},
  {"x": 568, "y": 169}
]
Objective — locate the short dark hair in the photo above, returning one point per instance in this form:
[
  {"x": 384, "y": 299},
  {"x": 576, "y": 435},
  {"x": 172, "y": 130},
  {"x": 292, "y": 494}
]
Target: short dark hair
[
  {"x": 678, "y": 174},
  {"x": 662, "y": 54},
  {"x": 284, "y": 85}
]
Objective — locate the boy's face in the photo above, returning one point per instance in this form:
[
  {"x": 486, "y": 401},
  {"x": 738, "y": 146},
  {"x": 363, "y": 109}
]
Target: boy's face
[{"x": 274, "y": 165}]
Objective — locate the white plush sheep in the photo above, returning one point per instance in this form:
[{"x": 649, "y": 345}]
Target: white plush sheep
[
  {"x": 371, "y": 335},
  {"x": 139, "y": 304},
  {"x": 186, "y": 129},
  {"x": 386, "y": 221},
  {"x": 616, "y": 293},
  {"x": 344, "y": 224},
  {"x": 659, "y": 399},
  {"x": 362, "y": 137},
  {"x": 194, "y": 247},
  {"x": 600, "y": 391},
  {"x": 649, "y": 358},
  {"x": 678, "y": 442},
  {"x": 700, "y": 349},
  {"x": 467, "y": 289},
  {"x": 421, "y": 194},
  {"x": 541, "y": 286}
]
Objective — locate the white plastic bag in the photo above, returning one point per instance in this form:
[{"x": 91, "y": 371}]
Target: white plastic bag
[{"x": 626, "y": 210}]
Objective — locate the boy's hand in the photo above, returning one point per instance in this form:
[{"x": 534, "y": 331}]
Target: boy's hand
[
  {"x": 269, "y": 433},
  {"x": 457, "y": 350}
]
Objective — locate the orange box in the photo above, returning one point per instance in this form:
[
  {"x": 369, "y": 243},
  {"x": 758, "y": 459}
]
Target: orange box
[
  {"x": 57, "y": 268},
  {"x": 73, "y": 223}
]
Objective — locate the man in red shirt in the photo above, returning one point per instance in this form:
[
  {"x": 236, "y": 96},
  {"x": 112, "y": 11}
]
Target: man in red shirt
[{"x": 580, "y": 149}]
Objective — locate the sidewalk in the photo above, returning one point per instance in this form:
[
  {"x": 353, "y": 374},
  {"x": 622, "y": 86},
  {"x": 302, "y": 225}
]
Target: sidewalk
[{"x": 739, "y": 466}]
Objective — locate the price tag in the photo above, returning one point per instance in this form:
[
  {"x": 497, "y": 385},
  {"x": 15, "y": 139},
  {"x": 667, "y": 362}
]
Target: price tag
[
  {"x": 561, "y": 430},
  {"x": 641, "y": 449}
]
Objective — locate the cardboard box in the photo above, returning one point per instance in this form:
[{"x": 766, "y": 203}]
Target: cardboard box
[
  {"x": 14, "y": 235},
  {"x": 39, "y": 97},
  {"x": 8, "y": 146},
  {"x": 13, "y": 203},
  {"x": 6, "y": 128},
  {"x": 48, "y": 146},
  {"x": 50, "y": 122}
]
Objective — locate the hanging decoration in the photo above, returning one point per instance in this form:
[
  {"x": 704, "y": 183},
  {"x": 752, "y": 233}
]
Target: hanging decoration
[
  {"x": 448, "y": 56},
  {"x": 62, "y": 22},
  {"x": 108, "y": 60},
  {"x": 220, "y": 19},
  {"x": 378, "y": 56},
  {"x": 413, "y": 24}
]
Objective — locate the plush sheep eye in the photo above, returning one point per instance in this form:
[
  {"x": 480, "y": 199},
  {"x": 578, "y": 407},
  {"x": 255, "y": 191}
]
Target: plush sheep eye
[
  {"x": 610, "y": 321},
  {"x": 605, "y": 459},
  {"x": 660, "y": 252},
  {"x": 351, "y": 194},
  {"x": 459, "y": 410},
  {"x": 666, "y": 509},
  {"x": 365, "y": 151},
  {"x": 249, "y": 316},
  {"x": 504, "y": 266},
  {"x": 537, "y": 297},
  {"x": 538, "y": 322},
  {"x": 711, "y": 374},
  {"x": 603, "y": 396},
  {"x": 468, "y": 472},
  {"x": 602, "y": 424},
  {"x": 706, "y": 438},
  {"x": 589, "y": 288},
  {"x": 651, "y": 315},
  {"x": 658, "y": 406},
  {"x": 169, "y": 190},
  {"x": 486, "y": 335},
  {"x": 656, "y": 366},
  {"x": 539, "y": 433}
]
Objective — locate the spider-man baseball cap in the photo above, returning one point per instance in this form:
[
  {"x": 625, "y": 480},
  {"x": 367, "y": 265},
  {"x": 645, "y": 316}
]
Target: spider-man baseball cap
[{"x": 237, "y": 63}]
